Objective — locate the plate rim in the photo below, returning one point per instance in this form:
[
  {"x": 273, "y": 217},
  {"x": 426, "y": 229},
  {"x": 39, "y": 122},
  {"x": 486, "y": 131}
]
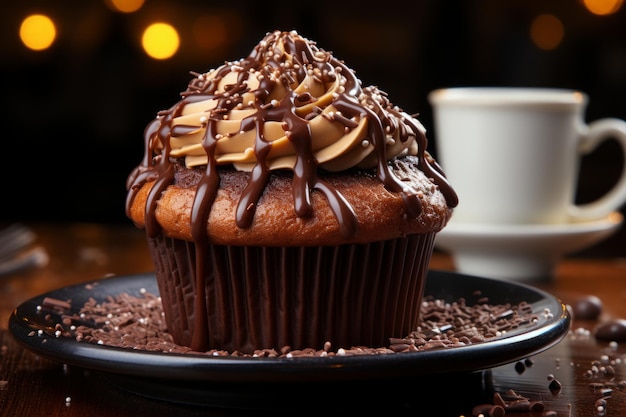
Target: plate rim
[
  {"x": 210, "y": 369},
  {"x": 608, "y": 223}
]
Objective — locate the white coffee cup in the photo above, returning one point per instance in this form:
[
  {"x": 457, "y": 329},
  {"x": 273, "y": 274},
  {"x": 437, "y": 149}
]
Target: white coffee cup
[{"x": 513, "y": 154}]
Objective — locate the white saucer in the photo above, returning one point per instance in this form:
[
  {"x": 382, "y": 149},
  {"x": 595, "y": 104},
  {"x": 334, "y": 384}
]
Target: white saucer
[{"x": 520, "y": 252}]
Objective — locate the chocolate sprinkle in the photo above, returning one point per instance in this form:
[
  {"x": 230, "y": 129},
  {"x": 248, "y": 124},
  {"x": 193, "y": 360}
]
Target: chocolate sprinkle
[
  {"x": 137, "y": 322},
  {"x": 509, "y": 402}
]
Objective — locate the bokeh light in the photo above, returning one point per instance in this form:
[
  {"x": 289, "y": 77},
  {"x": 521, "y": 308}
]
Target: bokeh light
[
  {"x": 603, "y": 7},
  {"x": 37, "y": 32},
  {"x": 160, "y": 40},
  {"x": 125, "y": 6},
  {"x": 547, "y": 32}
]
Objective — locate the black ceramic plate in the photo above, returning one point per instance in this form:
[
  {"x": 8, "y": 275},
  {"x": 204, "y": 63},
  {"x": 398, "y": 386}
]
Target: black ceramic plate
[{"x": 224, "y": 381}]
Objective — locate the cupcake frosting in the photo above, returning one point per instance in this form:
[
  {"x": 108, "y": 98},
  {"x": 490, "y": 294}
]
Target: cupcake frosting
[{"x": 288, "y": 106}]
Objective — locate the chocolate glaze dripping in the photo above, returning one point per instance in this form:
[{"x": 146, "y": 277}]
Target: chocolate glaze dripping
[
  {"x": 268, "y": 59},
  {"x": 350, "y": 102}
]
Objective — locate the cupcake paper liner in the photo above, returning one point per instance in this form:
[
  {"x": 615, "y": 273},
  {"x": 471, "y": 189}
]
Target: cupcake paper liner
[{"x": 271, "y": 297}]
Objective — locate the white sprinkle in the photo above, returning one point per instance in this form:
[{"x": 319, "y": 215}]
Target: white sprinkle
[
  {"x": 341, "y": 352},
  {"x": 40, "y": 332},
  {"x": 57, "y": 333},
  {"x": 203, "y": 119},
  {"x": 547, "y": 313},
  {"x": 580, "y": 331}
]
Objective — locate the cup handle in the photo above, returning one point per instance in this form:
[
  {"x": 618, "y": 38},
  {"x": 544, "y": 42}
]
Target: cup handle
[{"x": 595, "y": 133}]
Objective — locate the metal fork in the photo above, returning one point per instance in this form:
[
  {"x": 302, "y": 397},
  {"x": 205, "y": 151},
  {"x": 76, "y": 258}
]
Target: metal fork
[
  {"x": 14, "y": 238},
  {"x": 17, "y": 250}
]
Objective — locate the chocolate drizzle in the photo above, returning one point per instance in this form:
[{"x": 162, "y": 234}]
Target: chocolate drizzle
[
  {"x": 267, "y": 59},
  {"x": 279, "y": 61}
]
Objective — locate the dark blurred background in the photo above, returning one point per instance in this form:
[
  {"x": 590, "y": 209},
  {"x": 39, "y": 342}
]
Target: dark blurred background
[{"x": 74, "y": 112}]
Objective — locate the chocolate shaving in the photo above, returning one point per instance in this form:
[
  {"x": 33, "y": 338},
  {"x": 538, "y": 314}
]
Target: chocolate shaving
[{"x": 137, "y": 322}]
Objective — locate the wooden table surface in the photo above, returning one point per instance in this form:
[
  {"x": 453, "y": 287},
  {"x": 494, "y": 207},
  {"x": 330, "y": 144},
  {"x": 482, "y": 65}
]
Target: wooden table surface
[{"x": 31, "y": 385}]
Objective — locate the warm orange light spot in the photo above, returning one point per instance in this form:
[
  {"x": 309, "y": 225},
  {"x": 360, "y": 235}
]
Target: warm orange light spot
[
  {"x": 37, "y": 32},
  {"x": 547, "y": 32},
  {"x": 160, "y": 40},
  {"x": 603, "y": 7},
  {"x": 125, "y": 6}
]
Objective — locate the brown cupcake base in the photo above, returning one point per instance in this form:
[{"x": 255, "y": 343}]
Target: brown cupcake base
[{"x": 270, "y": 297}]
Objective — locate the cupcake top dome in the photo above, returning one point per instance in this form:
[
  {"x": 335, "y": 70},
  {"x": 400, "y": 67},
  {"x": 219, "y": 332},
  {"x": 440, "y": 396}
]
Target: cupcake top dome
[{"x": 289, "y": 111}]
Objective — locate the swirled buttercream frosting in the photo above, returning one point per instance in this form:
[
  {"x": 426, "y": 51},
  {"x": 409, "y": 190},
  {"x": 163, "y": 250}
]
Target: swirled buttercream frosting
[{"x": 288, "y": 106}]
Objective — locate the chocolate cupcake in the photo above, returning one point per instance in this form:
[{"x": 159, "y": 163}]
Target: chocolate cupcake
[{"x": 286, "y": 205}]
